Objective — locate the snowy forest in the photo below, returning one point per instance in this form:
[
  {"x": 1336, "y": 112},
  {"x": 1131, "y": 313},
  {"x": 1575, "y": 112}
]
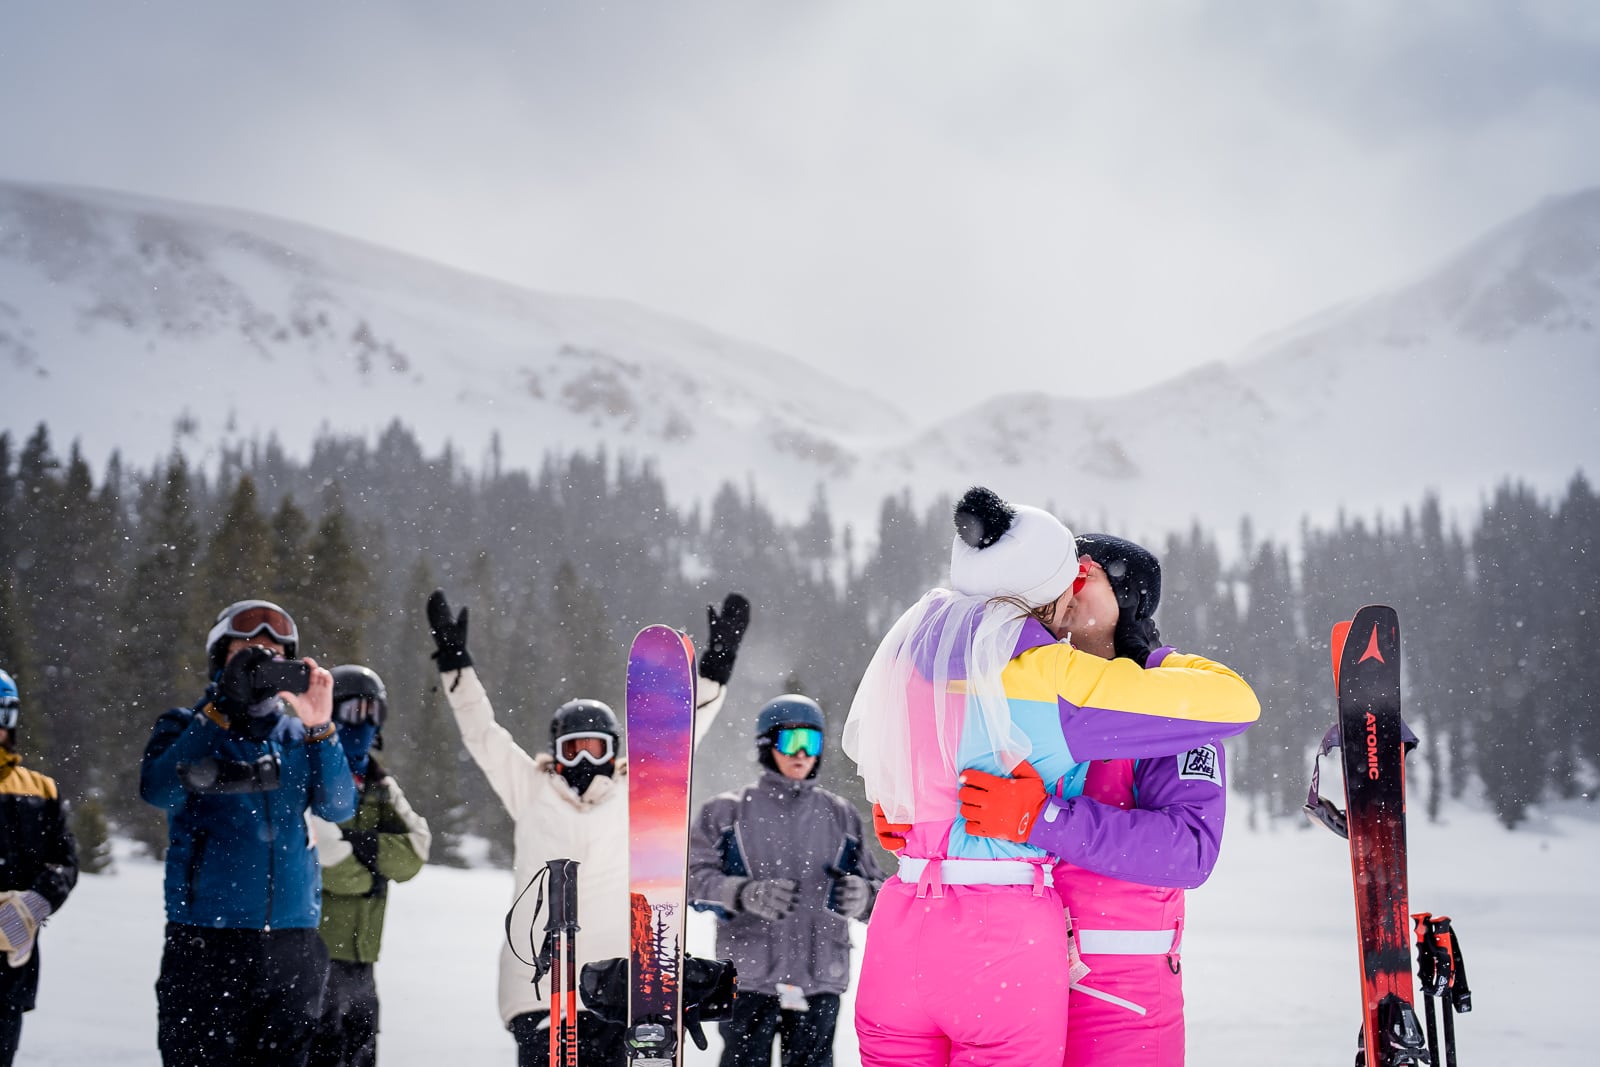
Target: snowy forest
[{"x": 109, "y": 580}]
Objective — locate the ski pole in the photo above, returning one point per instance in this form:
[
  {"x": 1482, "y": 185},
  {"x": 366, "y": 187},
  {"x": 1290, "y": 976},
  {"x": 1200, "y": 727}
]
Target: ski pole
[{"x": 562, "y": 929}]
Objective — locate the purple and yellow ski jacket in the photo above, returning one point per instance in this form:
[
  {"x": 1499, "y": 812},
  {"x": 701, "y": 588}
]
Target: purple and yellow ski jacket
[{"x": 1075, "y": 707}]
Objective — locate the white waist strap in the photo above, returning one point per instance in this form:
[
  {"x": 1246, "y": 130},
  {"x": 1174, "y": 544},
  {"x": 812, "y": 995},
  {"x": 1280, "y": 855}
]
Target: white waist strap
[
  {"x": 1124, "y": 942},
  {"x": 976, "y": 872}
]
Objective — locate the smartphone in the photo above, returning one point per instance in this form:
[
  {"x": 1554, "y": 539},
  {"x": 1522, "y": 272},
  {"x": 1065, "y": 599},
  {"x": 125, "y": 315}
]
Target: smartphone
[{"x": 282, "y": 676}]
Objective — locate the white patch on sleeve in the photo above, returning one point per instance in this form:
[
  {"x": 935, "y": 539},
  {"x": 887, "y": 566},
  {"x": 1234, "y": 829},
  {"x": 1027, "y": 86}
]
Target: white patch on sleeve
[{"x": 1200, "y": 765}]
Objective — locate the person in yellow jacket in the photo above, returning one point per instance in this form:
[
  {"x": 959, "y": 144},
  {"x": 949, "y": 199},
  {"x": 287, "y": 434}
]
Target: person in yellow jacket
[{"x": 38, "y": 868}]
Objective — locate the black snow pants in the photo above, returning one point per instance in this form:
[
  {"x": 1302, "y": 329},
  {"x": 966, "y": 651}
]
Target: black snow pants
[
  {"x": 806, "y": 1037},
  {"x": 347, "y": 1036},
  {"x": 239, "y": 997},
  {"x": 599, "y": 1042}
]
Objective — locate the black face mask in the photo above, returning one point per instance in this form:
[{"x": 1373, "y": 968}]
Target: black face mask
[{"x": 580, "y": 774}]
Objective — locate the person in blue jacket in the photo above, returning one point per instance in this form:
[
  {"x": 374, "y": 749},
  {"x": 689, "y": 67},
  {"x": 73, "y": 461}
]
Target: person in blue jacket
[{"x": 243, "y": 966}]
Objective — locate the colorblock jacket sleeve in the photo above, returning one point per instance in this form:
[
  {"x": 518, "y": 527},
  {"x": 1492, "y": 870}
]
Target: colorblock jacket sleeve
[
  {"x": 1115, "y": 709},
  {"x": 1172, "y": 836},
  {"x": 404, "y": 841},
  {"x": 512, "y": 773}
]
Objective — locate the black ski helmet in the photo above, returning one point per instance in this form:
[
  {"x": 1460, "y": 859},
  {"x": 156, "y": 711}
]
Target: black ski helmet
[
  {"x": 244, "y": 619},
  {"x": 354, "y": 680},
  {"x": 1133, "y": 571},
  {"x": 584, "y": 717},
  {"x": 791, "y": 709}
]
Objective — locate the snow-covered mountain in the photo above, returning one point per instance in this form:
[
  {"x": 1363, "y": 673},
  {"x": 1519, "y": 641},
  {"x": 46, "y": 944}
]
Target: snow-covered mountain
[
  {"x": 1487, "y": 367},
  {"x": 125, "y": 321},
  {"x": 122, "y": 318}
]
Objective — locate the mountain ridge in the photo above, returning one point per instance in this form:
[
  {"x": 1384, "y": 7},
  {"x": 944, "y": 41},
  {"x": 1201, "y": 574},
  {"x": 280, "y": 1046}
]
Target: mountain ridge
[{"x": 242, "y": 325}]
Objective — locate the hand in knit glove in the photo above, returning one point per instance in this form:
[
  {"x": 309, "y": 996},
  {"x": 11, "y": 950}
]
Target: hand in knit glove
[
  {"x": 851, "y": 894},
  {"x": 20, "y": 916},
  {"x": 772, "y": 900}
]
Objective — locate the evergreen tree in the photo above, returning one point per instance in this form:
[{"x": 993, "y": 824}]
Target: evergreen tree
[
  {"x": 238, "y": 564},
  {"x": 160, "y": 658},
  {"x": 92, "y": 832},
  {"x": 336, "y": 608}
]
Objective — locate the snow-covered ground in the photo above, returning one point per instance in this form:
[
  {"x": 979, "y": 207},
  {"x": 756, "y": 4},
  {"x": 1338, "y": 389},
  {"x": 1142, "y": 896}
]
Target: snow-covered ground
[{"x": 1269, "y": 958}]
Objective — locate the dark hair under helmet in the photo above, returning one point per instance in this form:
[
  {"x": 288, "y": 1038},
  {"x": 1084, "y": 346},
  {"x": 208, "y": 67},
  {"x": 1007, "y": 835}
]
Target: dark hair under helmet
[{"x": 1133, "y": 571}]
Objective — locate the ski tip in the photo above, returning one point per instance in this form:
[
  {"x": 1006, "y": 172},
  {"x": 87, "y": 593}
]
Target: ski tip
[{"x": 1341, "y": 630}]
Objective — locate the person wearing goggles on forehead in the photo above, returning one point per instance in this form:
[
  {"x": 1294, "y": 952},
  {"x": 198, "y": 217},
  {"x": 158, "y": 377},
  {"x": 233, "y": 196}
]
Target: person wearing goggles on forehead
[
  {"x": 385, "y": 842},
  {"x": 38, "y": 868},
  {"x": 973, "y": 683},
  {"x": 568, "y": 803},
  {"x": 780, "y": 863},
  {"x": 243, "y": 966}
]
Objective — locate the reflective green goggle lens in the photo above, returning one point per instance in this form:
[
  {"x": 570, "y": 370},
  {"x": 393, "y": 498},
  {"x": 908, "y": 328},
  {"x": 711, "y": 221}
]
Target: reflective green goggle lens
[{"x": 799, "y": 741}]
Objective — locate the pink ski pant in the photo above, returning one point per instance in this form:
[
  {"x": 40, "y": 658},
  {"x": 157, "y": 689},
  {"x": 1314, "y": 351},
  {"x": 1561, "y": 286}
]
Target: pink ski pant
[
  {"x": 968, "y": 975},
  {"x": 1104, "y": 1034}
]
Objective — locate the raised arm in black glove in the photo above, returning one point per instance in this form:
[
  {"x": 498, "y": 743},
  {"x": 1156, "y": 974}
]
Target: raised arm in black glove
[
  {"x": 450, "y": 635},
  {"x": 727, "y": 630}
]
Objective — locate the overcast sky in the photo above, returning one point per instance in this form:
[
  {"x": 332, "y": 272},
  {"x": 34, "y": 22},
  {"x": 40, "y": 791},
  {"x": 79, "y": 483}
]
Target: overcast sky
[{"x": 939, "y": 200}]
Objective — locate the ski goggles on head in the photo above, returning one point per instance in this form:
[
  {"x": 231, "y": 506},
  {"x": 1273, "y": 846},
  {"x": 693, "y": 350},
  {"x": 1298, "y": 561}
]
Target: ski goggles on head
[
  {"x": 252, "y": 617},
  {"x": 571, "y": 749},
  {"x": 359, "y": 710},
  {"x": 10, "y": 707},
  {"x": 798, "y": 741}
]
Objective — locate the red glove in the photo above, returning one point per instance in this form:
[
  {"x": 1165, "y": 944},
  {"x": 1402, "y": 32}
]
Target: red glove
[
  {"x": 891, "y": 835},
  {"x": 1002, "y": 807}
]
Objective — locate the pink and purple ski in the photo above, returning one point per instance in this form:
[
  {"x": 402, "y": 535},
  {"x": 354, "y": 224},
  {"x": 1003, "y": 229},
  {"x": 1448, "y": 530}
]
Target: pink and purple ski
[{"x": 660, "y": 715}]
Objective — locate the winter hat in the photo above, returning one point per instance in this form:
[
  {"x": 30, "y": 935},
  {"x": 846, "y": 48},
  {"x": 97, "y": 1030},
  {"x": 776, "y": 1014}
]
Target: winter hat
[
  {"x": 1133, "y": 571},
  {"x": 1003, "y": 549}
]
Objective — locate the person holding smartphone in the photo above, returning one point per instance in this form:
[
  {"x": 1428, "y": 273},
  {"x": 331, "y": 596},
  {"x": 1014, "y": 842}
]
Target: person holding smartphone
[{"x": 243, "y": 967}]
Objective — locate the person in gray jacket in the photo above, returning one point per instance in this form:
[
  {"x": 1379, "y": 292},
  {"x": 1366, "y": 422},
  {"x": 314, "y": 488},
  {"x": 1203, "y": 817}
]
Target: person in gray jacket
[{"x": 781, "y": 863}]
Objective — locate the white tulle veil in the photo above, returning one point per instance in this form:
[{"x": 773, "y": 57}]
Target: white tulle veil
[{"x": 934, "y": 680}]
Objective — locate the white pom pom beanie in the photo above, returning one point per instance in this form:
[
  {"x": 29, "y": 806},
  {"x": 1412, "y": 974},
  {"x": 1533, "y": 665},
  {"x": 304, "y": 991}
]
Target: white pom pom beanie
[{"x": 1012, "y": 550}]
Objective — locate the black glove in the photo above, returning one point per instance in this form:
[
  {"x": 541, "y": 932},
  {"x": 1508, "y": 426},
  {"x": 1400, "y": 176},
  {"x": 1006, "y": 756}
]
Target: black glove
[
  {"x": 770, "y": 900},
  {"x": 851, "y": 894},
  {"x": 364, "y": 843},
  {"x": 1135, "y": 638},
  {"x": 727, "y": 630},
  {"x": 238, "y": 684},
  {"x": 450, "y": 635}
]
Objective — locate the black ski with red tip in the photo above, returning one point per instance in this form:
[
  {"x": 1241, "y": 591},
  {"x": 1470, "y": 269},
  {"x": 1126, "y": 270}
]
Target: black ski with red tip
[{"x": 1367, "y": 674}]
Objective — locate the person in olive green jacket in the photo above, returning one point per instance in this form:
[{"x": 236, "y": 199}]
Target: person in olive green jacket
[{"x": 385, "y": 842}]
